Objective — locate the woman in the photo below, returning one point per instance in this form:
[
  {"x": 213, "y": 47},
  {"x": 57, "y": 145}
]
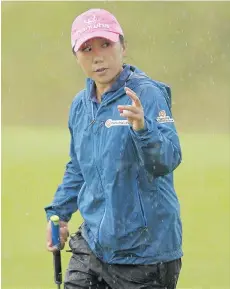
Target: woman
[{"x": 124, "y": 149}]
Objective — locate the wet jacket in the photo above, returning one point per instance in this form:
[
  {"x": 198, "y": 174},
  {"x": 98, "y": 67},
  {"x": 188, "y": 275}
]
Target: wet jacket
[{"x": 121, "y": 180}]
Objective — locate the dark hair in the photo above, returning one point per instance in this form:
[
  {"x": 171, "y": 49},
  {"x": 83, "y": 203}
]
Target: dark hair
[{"x": 121, "y": 39}]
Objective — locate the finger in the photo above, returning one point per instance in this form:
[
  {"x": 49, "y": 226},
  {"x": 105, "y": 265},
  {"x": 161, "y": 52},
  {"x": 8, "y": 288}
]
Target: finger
[
  {"x": 63, "y": 224},
  {"x": 62, "y": 245},
  {"x": 63, "y": 239},
  {"x": 133, "y": 96},
  {"x": 49, "y": 243},
  {"x": 64, "y": 228},
  {"x": 131, "y": 115},
  {"x": 51, "y": 248},
  {"x": 64, "y": 232},
  {"x": 128, "y": 88},
  {"x": 48, "y": 235},
  {"x": 134, "y": 109},
  {"x": 49, "y": 239}
]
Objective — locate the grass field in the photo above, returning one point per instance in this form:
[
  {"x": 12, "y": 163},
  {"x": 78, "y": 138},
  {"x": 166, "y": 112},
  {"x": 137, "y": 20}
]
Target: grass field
[{"x": 33, "y": 160}]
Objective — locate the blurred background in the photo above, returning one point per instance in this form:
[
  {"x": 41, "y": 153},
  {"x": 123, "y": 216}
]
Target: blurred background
[{"x": 186, "y": 45}]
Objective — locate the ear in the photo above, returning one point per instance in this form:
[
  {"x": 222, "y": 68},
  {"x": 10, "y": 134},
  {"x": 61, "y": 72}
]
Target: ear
[{"x": 123, "y": 47}]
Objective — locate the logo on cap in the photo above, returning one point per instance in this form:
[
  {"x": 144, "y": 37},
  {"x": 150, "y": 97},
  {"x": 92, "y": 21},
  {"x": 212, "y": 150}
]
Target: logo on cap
[{"x": 90, "y": 20}]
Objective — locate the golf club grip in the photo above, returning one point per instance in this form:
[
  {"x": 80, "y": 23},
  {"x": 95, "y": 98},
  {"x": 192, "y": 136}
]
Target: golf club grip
[
  {"x": 55, "y": 231},
  {"x": 57, "y": 254},
  {"x": 57, "y": 267}
]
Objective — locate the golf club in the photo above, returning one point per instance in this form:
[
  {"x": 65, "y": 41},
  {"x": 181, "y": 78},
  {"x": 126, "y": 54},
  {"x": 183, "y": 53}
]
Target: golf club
[{"x": 57, "y": 254}]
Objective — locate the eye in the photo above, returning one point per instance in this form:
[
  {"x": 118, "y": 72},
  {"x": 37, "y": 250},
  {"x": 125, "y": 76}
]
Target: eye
[
  {"x": 86, "y": 49},
  {"x": 106, "y": 44}
]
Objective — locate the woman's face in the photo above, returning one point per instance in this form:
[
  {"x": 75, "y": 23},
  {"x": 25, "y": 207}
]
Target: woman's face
[{"x": 101, "y": 59}]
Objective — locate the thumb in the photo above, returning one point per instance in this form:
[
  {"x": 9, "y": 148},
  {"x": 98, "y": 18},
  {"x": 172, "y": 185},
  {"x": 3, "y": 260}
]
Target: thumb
[
  {"x": 48, "y": 235},
  {"x": 49, "y": 243}
]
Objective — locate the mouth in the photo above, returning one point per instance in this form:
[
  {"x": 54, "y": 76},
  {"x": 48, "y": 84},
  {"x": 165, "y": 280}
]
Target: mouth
[{"x": 100, "y": 69}]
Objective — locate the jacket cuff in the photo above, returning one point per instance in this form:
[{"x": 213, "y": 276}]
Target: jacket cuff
[
  {"x": 50, "y": 213},
  {"x": 142, "y": 132}
]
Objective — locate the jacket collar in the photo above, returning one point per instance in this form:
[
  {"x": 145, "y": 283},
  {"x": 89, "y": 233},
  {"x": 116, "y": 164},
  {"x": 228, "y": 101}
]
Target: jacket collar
[{"x": 120, "y": 82}]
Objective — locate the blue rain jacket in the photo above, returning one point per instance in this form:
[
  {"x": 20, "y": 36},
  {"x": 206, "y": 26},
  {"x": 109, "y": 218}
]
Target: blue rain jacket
[{"x": 121, "y": 180}]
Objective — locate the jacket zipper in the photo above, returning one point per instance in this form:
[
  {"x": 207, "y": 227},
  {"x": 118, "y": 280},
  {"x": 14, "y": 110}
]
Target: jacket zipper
[{"x": 94, "y": 153}]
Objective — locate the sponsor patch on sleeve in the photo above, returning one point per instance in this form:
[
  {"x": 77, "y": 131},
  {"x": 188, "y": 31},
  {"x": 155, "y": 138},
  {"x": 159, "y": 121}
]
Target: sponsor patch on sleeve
[{"x": 163, "y": 117}]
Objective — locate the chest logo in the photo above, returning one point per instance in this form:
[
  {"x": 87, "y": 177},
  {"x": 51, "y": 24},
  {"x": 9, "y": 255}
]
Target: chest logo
[{"x": 120, "y": 122}]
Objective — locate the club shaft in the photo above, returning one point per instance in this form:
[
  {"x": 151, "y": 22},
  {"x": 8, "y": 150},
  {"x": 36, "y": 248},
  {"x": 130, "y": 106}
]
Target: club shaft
[{"x": 57, "y": 267}]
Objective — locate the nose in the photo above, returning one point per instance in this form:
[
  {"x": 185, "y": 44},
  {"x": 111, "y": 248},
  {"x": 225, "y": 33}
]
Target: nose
[
  {"x": 97, "y": 60},
  {"x": 98, "y": 57}
]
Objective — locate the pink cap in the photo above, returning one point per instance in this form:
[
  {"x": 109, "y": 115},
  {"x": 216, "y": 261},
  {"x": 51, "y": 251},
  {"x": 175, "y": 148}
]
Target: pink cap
[{"x": 94, "y": 23}]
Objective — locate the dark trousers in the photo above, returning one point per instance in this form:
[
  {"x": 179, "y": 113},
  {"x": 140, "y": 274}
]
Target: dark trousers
[{"x": 88, "y": 272}]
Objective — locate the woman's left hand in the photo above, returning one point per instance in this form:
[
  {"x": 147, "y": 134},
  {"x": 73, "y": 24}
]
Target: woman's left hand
[{"x": 134, "y": 113}]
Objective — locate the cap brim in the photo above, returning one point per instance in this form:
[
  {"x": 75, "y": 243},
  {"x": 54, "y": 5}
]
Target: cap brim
[{"x": 114, "y": 37}]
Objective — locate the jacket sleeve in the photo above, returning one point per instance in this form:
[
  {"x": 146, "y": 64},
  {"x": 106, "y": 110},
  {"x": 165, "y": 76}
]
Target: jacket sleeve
[
  {"x": 157, "y": 145},
  {"x": 64, "y": 203}
]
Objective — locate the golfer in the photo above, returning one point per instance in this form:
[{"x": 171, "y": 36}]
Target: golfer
[{"x": 123, "y": 151}]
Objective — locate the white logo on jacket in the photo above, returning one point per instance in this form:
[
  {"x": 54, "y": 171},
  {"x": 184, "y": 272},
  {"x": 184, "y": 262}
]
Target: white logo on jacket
[
  {"x": 120, "y": 122},
  {"x": 162, "y": 118}
]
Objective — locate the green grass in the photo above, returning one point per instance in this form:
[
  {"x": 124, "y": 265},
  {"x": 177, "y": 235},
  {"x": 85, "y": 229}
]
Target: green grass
[{"x": 33, "y": 161}]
